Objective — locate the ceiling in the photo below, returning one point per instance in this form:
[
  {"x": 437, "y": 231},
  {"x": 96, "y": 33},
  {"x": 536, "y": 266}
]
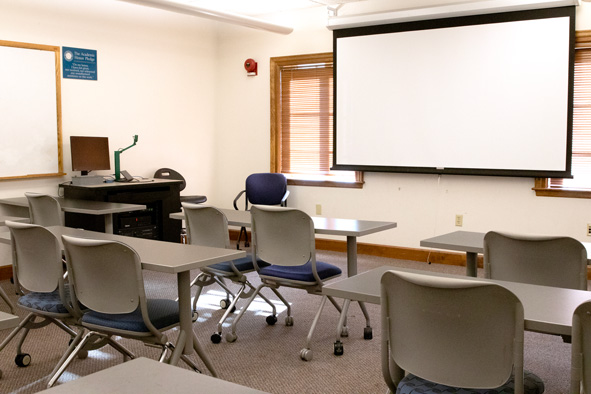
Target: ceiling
[{"x": 261, "y": 7}]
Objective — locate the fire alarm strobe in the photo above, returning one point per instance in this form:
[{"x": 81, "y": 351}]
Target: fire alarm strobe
[{"x": 250, "y": 66}]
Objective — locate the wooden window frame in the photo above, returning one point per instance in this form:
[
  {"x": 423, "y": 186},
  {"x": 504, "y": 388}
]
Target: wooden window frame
[
  {"x": 542, "y": 185},
  {"x": 276, "y": 63}
]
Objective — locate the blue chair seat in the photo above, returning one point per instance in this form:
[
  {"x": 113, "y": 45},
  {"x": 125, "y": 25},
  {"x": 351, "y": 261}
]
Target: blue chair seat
[
  {"x": 243, "y": 264},
  {"x": 50, "y": 303},
  {"x": 301, "y": 273},
  {"x": 412, "y": 384},
  {"x": 163, "y": 313}
]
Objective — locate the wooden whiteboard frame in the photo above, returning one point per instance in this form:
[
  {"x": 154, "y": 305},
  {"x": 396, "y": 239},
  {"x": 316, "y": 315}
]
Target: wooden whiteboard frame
[{"x": 51, "y": 172}]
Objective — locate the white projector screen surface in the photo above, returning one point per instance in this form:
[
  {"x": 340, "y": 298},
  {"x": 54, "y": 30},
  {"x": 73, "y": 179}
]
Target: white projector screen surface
[{"x": 491, "y": 98}]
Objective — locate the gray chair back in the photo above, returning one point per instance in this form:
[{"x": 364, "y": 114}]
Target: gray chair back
[
  {"x": 283, "y": 236},
  {"x": 581, "y": 349},
  {"x": 456, "y": 332},
  {"x": 36, "y": 257},
  {"x": 206, "y": 226},
  {"x": 44, "y": 210},
  {"x": 539, "y": 260},
  {"x": 105, "y": 275}
]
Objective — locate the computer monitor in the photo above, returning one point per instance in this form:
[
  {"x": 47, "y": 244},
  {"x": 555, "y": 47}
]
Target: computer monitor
[{"x": 90, "y": 154}]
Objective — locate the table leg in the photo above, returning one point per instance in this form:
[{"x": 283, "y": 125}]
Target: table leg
[
  {"x": 471, "y": 264},
  {"x": 108, "y": 223},
  {"x": 184, "y": 291},
  {"x": 351, "y": 255}
]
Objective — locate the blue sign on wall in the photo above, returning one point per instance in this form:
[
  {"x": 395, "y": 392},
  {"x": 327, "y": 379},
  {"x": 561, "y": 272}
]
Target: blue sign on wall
[{"x": 79, "y": 63}]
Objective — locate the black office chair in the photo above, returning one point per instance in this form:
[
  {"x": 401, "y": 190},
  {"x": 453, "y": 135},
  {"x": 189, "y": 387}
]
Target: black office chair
[
  {"x": 169, "y": 173},
  {"x": 262, "y": 189}
]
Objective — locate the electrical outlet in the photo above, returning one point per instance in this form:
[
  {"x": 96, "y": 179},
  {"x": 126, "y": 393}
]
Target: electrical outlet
[
  {"x": 318, "y": 209},
  {"x": 589, "y": 229},
  {"x": 459, "y": 220}
]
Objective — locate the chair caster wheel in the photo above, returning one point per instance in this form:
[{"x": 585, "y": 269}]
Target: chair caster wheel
[
  {"x": 338, "y": 348},
  {"x": 306, "y": 354},
  {"x": 224, "y": 304},
  {"x": 194, "y": 316},
  {"x": 216, "y": 338},
  {"x": 83, "y": 354},
  {"x": 233, "y": 309},
  {"x": 231, "y": 337},
  {"x": 22, "y": 360},
  {"x": 271, "y": 320},
  {"x": 344, "y": 332},
  {"x": 367, "y": 333},
  {"x": 289, "y": 321}
]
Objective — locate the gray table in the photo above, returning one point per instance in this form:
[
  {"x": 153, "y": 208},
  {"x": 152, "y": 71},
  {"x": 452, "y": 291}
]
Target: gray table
[
  {"x": 3, "y": 219},
  {"x": 7, "y": 320},
  {"x": 170, "y": 258},
  {"x": 142, "y": 375},
  {"x": 546, "y": 309},
  {"x": 350, "y": 228},
  {"x": 470, "y": 242},
  {"x": 106, "y": 209}
]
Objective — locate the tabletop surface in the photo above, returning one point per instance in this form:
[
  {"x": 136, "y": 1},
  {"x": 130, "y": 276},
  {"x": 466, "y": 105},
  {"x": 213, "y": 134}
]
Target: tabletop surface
[
  {"x": 546, "y": 309},
  {"x": 8, "y": 321},
  {"x": 470, "y": 241},
  {"x": 3, "y": 219},
  {"x": 322, "y": 225},
  {"x": 155, "y": 255},
  {"x": 140, "y": 183},
  {"x": 465, "y": 241},
  {"x": 80, "y": 206},
  {"x": 143, "y": 375}
]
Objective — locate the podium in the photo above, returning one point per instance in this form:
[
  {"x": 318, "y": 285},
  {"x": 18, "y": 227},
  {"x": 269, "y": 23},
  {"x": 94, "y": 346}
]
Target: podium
[{"x": 160, "y": 196}]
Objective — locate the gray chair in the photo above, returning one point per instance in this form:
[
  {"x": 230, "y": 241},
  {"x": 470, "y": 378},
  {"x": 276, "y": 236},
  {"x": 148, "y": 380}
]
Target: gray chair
[
  {"x": 538, "y": 260},
  {"x": 106, "y": 277},
  {"x": 208, "y": 226},
  {"x": 581, "y": 350},
  {"x": 284, "y": 238},
  {"x": 44, "y": 210},
  {"x": 38, "y": 275},
  {"x": 452, "y": 335},
  {"x": 267, "y": 188}
]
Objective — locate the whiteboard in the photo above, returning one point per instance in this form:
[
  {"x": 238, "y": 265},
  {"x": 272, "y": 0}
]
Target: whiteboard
[
  {"x": 481, "y": 95},
  {"x": 30, "y": 111}
]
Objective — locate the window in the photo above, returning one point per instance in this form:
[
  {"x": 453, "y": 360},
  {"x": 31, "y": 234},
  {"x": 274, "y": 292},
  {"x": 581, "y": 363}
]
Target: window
[
  {"x": 580, "y": 185},
  {"x": 302, "y": 122}
]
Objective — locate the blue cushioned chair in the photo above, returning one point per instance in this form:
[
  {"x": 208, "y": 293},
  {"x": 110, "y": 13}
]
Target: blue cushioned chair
[
  {"x": 452, "y": 335},
  {"x": 265, "y": 188},
  {"x": 284, "y": 237},
  {"x": 38, "y": 275},
  {"x": 106, "y": 277},
  {"x": 208, "y": 226}
]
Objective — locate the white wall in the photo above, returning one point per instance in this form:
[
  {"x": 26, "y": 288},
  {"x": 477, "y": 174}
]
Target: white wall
[
  {"x": 422, "y": 205},
  {"x": 156, "y": 78}
]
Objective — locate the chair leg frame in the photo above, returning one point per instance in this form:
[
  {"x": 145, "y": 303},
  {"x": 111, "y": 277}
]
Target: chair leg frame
[
  {"x": 89, "y": 335},
  {"x": 341, "y": 310}
]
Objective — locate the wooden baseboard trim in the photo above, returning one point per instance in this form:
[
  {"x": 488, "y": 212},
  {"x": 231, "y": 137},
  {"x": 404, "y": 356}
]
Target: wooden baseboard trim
[
  {"x": 5, "y": 272},
  {"x": 394, "y": 252}
]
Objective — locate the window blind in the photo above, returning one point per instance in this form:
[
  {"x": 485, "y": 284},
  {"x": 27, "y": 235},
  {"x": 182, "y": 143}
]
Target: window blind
[
  {"x": 306, "y": 119},
  {"x": 581, "y": 155}
]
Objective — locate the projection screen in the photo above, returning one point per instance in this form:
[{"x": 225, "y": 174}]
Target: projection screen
[{"x": 481, "y": 95}]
